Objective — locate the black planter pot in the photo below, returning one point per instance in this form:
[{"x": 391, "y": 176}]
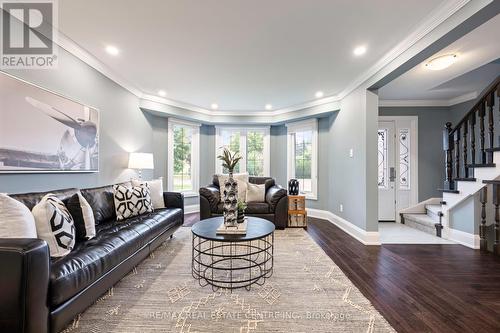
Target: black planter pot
[{"x": 241, "y": 216}]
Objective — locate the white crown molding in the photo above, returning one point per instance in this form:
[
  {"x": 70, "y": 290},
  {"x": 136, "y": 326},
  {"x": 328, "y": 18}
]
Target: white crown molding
[
  {"x": 428, "y": 102},
  {"x": 442, "y": 13}
]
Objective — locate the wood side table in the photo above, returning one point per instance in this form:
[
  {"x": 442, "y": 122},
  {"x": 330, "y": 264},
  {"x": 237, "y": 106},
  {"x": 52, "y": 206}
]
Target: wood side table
[{"x": 297, "y": 214}]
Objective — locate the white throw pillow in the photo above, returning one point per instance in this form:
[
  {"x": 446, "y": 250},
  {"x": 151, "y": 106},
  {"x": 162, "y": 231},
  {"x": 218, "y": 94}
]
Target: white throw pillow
[
  {"x": 54, "y": 225},
  {"x": 83, "y": 216},
  {"x": 16, "y": 220},
  {"x": 132, "y": 201},
  {"x": 256, "y": 193},
  {"x": 241, "y": 179},
  {"x": 156, "y": 188}
]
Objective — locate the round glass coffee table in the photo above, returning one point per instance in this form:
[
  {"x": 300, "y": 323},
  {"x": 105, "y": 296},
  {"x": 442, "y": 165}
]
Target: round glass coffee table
[{"x": 232, "y": 261}]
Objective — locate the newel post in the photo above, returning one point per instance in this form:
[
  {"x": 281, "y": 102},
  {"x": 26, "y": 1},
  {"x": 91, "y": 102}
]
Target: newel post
[{"x": 448, "y": 150}]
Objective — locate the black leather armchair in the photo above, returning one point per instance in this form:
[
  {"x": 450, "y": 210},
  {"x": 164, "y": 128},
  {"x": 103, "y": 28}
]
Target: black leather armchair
[{"x": 274, "y": 209}]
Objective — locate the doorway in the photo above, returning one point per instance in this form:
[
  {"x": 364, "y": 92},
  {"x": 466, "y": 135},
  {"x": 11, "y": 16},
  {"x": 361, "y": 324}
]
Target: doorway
[{"x": 397, "y": 165}]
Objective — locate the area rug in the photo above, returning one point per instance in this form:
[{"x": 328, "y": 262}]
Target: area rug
[{"x": 307, "y": 293}]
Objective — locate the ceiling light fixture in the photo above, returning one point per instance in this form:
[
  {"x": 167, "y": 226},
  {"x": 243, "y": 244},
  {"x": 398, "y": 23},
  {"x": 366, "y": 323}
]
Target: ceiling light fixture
[
  {"x": 318, "y": 94},
  {"x": 441, "y": 62},
  {"x": 113, "y": 50},
  {"x": 214, "y": 106},
  {"x": 359, "y": 51},
  {"x": 162, "y": 93},
  {"x": 269, "y": 107}
]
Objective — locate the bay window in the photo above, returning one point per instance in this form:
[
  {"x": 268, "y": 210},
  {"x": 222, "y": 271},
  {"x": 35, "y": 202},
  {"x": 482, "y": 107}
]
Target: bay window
[
  {"x": 183, "y": 156},
  {"x": 302, "y": 155},
  {"x": 251, "y": 143}
]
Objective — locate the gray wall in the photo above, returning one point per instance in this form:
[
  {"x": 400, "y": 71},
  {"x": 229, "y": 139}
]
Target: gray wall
[{"x": 123, "y": 127}]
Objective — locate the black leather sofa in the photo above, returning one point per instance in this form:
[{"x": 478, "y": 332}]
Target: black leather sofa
[
  {"x": 274, "y": 209},
  {"x": 42, "y": 294}
]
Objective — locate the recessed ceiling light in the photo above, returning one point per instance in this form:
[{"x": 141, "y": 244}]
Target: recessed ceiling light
[
  {"x": 318, "y": 94},
  {"x": 113, "y": 50},
  {"x": 441, "y": 62},
  {"x": 269, "y": 107},
  {"x": 214, "y": 106},
  {"x": 360, "y": 50},
  {"x": 162, "y": 93}
]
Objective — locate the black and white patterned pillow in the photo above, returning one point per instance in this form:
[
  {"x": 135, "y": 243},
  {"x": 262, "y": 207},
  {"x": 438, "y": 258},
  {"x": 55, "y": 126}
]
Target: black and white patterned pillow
[
  {"x": 132, "y": 201},
  {"x": 55, "y": 225}
]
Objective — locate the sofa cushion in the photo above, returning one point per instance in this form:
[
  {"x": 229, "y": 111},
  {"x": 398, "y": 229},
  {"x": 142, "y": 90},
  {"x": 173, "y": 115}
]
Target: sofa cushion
[
  {"x": 257, "y": 208},
  {"x": 33, "y": 198},
  {"x": 102, "y": 202},
  {"x": 132, "y": 201},
  {"x": 54, "y": 224},
  {"x": 114, "y": 243}
]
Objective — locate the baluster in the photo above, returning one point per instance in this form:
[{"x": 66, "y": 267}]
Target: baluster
[
  {"x": 448, "y": 149},
  {"x": 481, "y": 134},
  {"x": 473, "y": 138},
  {"x": 456, "y": 137},
  {"x": 496, "y": 202},
  {"x": 465, "y": 129},
  {"x": 491, "y": 136},
  {"x": 483, "y": 198}
]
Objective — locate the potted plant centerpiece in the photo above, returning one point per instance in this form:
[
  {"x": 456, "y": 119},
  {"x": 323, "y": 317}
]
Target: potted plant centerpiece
[
  {"x": 242, "y": 205},
  {"x": 229, "y": 162}
]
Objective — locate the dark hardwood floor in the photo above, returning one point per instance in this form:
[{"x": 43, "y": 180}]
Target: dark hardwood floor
[{"x": 417, "y": 288}]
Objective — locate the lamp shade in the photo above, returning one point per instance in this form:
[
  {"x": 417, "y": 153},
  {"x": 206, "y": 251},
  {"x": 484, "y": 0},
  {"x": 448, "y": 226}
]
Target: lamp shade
[{"x": 140, "y": 161}]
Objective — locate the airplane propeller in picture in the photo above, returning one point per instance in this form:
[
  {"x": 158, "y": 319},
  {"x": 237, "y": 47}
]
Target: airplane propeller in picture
[{"x": 76, "y": 147}]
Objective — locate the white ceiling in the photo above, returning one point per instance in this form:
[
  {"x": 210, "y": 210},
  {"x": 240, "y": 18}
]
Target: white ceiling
[
  {"x": 475, "y": 68},
  {"x": 241, "y": 54}
]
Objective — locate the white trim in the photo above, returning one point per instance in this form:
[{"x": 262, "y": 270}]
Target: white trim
[
  {"x": 189, "y": 209},
  {"x": 195, "y": 155},
  {"x": 424, "y": 29},
  {"x": 464, "y": 238},
  {"x": 363, "y": 236},
  {"x": 309, "y": 124},
  {"x": 266, "y": 130},
  {"x": 428, "y": 102}
]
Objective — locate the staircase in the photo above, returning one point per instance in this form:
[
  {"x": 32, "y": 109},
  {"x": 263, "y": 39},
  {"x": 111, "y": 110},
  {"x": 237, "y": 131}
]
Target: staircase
[{"x": 472, "y": 164}]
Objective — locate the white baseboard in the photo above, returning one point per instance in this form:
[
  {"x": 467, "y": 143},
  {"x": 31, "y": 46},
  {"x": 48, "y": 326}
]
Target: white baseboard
[
  {"x": 191, "y": 209},
  {"x": 464, "y": 238},
  {"x": 365, "y": 237}
]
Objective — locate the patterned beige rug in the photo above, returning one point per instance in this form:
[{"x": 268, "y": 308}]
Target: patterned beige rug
[{"x": 307, "y": 293}]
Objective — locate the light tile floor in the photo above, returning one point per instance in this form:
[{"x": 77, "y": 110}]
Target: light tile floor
[{"x": 396, "y": 233}]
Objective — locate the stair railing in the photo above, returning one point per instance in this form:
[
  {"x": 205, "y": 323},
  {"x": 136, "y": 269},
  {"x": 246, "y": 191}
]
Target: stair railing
[{"x": 459, "y": 142}]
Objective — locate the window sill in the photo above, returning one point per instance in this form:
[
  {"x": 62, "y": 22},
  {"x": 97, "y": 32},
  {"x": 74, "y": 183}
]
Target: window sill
[{"x": 190, "y": 194}]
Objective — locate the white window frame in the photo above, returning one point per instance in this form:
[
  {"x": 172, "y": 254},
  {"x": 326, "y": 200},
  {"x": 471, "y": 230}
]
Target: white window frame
[
  {"x": 195, "y": 155},
  {"x": 292, "y": 128},
  {"x": 243, "y": 147}
]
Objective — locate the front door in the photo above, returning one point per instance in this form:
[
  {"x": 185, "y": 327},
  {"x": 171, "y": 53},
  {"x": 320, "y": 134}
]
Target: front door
[{"x": 386, "y": 171}]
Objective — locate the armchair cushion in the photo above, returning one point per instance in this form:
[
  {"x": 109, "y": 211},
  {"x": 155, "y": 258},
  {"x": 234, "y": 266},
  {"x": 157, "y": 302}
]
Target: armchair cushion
[
  {"x": 273, "y": 196},
  {"x": 212, "y": 194}
]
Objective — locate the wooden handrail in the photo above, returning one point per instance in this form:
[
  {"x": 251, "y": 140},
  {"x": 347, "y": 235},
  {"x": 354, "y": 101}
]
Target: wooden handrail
[{"x": 495, "y": 85}]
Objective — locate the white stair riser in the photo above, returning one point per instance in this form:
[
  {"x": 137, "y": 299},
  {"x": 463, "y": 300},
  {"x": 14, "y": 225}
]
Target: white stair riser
[{"x": 467, "y": 189}]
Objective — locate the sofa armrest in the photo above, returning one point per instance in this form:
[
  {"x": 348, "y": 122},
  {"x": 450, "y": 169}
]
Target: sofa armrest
[
  {"x": 173, "y": 200},
  {"x": 212, "y": 194},
  {"x": 274, "y": 194},
  {"x": 24, "y": 285}
]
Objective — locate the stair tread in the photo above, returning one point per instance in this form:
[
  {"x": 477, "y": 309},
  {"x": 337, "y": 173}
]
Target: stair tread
[
  {"x": 465, "y": 179},
  {"x": 435, "y": 208},
  {"x": 448, "y": 191},
  {"x": 481, "y": 165},
  {"x": 496, "y": 182},
  {"x": 421, "y": 219}
]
